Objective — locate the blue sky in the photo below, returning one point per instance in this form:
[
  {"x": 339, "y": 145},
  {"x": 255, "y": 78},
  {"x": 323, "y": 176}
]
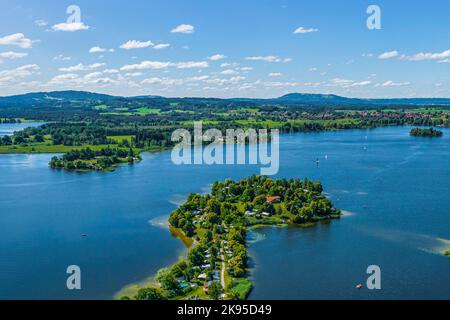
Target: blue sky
[{"x": 226, "y": 48}]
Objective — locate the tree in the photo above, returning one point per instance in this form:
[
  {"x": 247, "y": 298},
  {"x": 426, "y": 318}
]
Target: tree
[
  {"x": 167, "y": 280},
  {"x": 215, "y": 290},
  {"x": 149, "y": 294}
]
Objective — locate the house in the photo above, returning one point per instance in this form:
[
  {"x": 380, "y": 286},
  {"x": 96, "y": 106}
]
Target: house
[
  {"x": 266, "y": 214},
  {"x": 206, "y": 288},
  {"x": 276, "y": 199},
  {"x": 249, "y": 213},
  {"x": 202, "y": 276},
  {"x": 205, "y": 266}
]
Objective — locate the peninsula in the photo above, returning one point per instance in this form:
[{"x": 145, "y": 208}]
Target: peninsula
[{"x": 217, "y": 225}]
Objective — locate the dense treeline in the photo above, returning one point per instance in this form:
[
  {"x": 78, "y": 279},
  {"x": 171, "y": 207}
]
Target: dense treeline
[
  {"x": 418, "y": 132},
  {"x": 10, "y": 120},
  {"x": 88, "y": 159}
]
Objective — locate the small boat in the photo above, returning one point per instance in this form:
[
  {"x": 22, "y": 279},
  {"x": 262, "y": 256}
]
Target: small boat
[
  {"x": 359, "y": 286},
  {"x": 84, "y": 235}
]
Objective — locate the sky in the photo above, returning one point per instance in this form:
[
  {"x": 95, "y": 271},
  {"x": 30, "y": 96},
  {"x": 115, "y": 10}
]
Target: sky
[{"x": 224, "y": 49}]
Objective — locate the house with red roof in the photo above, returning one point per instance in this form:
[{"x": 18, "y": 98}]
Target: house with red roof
[{"x": 276, "y": 199}]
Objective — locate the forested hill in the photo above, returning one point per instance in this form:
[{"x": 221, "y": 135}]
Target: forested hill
[{"x": 65, "y": 98}]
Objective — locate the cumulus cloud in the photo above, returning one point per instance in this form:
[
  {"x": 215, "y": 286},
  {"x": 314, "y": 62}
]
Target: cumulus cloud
[
  {"x": 217, "y": 57},
  {"x": 391, "y": 83},
  {"x": 97, "y": 49},
  {"x": 388, "y": 55},
  {"x": 164, "y": 65},
  {"x": 184, "y": 28},
  {"x": 82, "y": 67},
  {"x": 421, "y": 56},
  {"x": 161, "y": 46},
  {"x": 70, "y": 27},
  {"x": 17, "y": 39},
  {"x": 229, "y": 72},
  {"x": 61, "y": 57},
  {"x": 134, "y": 44},
  {"x": 20, "y": 72},
  {"x": 12, "y": 55},
  {"x": 41, "y": 23},
  {"x": 303, "y": 30},
  {"x": 268, "y": 59},
  {"x": 280, "y": 84},
  {"x": 275, "y": 74},
  {"x": 361, "y": 83}
]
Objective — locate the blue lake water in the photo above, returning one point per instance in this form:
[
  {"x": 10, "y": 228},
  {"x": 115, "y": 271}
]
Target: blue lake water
[
  {"x": 7, "y": 129},
  {"x": 395, "y": 187}
]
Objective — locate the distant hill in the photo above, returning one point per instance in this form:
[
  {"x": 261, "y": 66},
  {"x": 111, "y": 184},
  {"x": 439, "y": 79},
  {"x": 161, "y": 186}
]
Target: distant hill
[
  {"x": 292, "y": 99},
  {"x": 318, "y": 98},
  {"x": 36, "y": 97},
  {"x": 331, "y": 99}
]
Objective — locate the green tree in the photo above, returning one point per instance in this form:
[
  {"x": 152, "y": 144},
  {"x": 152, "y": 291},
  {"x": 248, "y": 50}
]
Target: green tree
[
  {"x": 215, "y": 290},
  {"x": 149, "y": 294}
]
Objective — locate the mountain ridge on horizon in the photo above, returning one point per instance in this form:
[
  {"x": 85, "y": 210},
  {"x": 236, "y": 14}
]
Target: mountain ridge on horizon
[{"x": 290, "y": 98}]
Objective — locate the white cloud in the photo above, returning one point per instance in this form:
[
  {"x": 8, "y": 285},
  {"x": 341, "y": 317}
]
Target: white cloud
[
  {"x": 12, "y": 55},
  {"x": 280, "y": 84},
  {"x": 164, "y": 65},
  {"x": 391, "y": 83},
  {"x": 17, "y": 39},
  {"x": 217, "y": 57},
  {"x": 20, "y": 72},
  {"x": 134, "y": 74},
  {"x": 361, "y": 83},
  {"x": 71, "y": 79},
  {"x": 134, "y": 44},
  {"x": 162, "y": 81},
  {"x": 161, "y": 46},
  {"x": 82, "y": 67},
  {"x": 268, "y": 59},
  {"x": 146, "y": 65},
  {"x": 441, "y": 56},
  {"x": 303, "y": 30},
  {"x": 70, "y": 27},
  {"x": 41, "y": 23},
  {"x": 388, "y": 55},
  {"x": 275, "y": 74},
  {"x": 61, "y": 57},
  {"x": 191, "y": 65},
  {"x": 97, "y": 49},
  {"x": 110, "y": 71},
  {"x": 184, "y": 28},
  {"x": 312, "y": 69},
  {"x": 229, "y": 72},
  {"x": 227, "y": 64}
]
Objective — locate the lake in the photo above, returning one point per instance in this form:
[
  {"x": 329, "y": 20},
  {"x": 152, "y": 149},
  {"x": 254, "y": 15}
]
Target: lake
[
  {"x": 393, "y": 187},
  {"x": 7, "y": 129}
]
